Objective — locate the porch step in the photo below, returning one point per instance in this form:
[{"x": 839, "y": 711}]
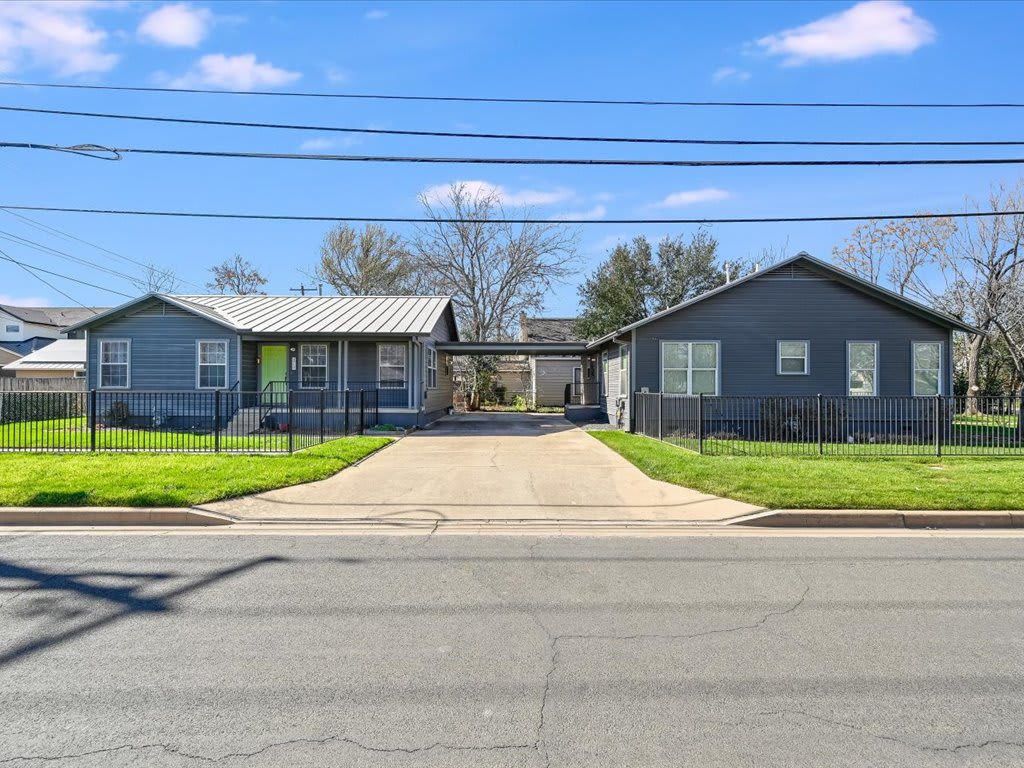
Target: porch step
[{"x": 245, "y": 421}]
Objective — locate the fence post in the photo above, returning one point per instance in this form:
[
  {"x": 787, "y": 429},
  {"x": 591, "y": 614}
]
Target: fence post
[
  {"x": 661, "y": 407},
  {"x": 291, "y": 423},
  {"x": 821, "y": 433},
  {"x": 362, "y": 410},
  {"x": 216, "y": 421},
  {"x": 700, "y": 422},
  {"x": 346, "y": 413},
  {"x": 92, "y": 420},
  {"x": 938, "y": 425},
  {"x": 322, "y": 396}
]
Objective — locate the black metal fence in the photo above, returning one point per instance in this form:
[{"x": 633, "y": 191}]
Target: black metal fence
[
  {"x": 874, "y": 426},
  {"x": 270, "y": 421}
]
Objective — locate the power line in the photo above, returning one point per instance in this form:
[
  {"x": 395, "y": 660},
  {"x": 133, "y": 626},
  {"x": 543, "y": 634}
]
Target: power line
[
  {"x": 519, "y": 136},
  {"x": 117, "y": 152},
  {"x": 61, "y": 233},
  {"x": 64, "y": 277},
  {"x": 43, "y": 248},
  {"x": 44, "y": 281},
  {"x": 527, "y": 220},
  {"x": 513, "y": 100}
]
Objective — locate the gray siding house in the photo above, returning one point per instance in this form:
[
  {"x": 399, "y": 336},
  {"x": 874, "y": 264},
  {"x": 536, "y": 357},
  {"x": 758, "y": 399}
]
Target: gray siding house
[
  {"x": 551, "y": 374},
  {"x": 799, "y": 327},
  {"x": 272, "y": 344}
]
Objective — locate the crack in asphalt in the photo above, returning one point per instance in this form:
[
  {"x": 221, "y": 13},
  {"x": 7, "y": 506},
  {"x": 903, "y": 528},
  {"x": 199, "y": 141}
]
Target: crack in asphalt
[
  {"x": 171, "y": 749},
  {"x": 895, "y": 739}
]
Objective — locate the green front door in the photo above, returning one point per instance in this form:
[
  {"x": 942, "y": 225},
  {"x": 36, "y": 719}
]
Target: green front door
[{"x": 273, "y": 365}]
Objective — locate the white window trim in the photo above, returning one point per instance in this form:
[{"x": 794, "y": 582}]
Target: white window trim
[
  {"x": 806, "y": 358},
  {"x": 99, "y": 363},
  {"x": 326, "y": 366},
  {"x": 227, "y": 367},
  {"x": 431, "y": 366},
  {"x": 914, "y": 369},
  {"x": 689, "y": 364},
  {"x": 624, "y": 370},
  {"x": 604, "y": 373},
  {"x": 405, "y": 363},
  {"x": 874, "y": 379}
]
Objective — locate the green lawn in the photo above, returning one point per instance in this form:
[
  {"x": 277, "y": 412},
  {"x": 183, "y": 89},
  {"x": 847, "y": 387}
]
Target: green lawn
[
  {"x": 832, "y": 482},
  {"x": 173, "y": 480}
]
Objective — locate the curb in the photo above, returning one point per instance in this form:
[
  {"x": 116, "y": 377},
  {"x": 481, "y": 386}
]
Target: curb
[
  {"x": 72, "y": 516},
  {"x": 884, "y": 518}
]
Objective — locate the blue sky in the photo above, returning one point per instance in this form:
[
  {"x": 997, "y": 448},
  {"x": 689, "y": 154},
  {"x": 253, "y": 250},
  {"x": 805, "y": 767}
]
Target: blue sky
[{"x": 805, "y": 51}]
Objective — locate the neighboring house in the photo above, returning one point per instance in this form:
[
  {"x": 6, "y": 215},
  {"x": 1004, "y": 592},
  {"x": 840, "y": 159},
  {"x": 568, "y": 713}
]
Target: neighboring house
[
  {"x": 268, "y": 344},
  {"x": 799, "y": 327},
  {"x": 60, "y": 359},
  {"x": 511, "y": 379},
  {"x": 24, "y": 330},
  {"x": 551, "y": 374}
]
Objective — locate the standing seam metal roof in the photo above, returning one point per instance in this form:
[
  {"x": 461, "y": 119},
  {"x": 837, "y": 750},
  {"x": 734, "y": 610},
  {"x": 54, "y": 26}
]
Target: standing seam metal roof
[{"x": 324, "y": 314}]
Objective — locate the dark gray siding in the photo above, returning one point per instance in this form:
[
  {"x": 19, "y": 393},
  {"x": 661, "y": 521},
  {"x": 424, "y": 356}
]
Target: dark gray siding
[
  {"x": 250, "y": 369},
  {"x": 795, "y": 303},
  {"x": 363, "y": 371},
  {"x": 163, "y": 346}
]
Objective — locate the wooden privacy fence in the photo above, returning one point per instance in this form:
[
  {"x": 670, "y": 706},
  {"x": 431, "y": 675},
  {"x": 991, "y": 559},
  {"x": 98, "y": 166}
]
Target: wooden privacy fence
[
  {"x": 831, "y": 426},
  {"x": 46, "y": 384}
]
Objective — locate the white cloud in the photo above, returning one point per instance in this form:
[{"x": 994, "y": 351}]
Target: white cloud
[
  {"x": 316, "y": 144},
  {"x": 55, "y": 35},
  {"x": 693, "y": 197},
  {"x": 730, "y": 73},
  {"x": 177, "y": 25},
  {"x": 236, "y": 73},
  {"x": 23, "y": 301},
  {"x": 376, "y": 14},
  {"x": 520, "y": 197},
  {"x": 597, "y": 212},
  {"x": 865, "y": 29},
  {"x": 321, "y": 143}
]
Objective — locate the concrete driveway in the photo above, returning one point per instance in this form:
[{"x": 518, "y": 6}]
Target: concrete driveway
[{"x": 490, "y": 466}]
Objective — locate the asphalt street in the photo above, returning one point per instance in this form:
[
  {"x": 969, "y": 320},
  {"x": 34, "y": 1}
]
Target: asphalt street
[{"x": 158, "y": 650}]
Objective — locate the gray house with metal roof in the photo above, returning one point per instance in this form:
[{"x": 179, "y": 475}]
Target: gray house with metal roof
[
  {"x": 798, "y": 328},
  {"x": 272, "y": 344}
]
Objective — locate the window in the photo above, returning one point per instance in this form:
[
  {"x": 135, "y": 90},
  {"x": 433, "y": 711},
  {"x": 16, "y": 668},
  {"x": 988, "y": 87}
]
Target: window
[
  {"x": 862, "y": 359},
  {"x": 313, "y": 366},
  {"x": 12, "y": 328},
  {"x": 623, "y": 370},
  {"x": 213, "y": 364},
  {"x": 114, "y": 357},
  {"x": 604, "y": 373},
  {"x": 793, "y": 358},
  {"x": 391, "y": 366},
  {"x": 431, "y": 368},
  {"x": 689, "y": 367},
  {"x": 927, "y": 368}
]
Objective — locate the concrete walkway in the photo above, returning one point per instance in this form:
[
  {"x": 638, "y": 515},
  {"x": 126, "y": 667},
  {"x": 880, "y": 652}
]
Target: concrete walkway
[{"x": 490, "y": 466}]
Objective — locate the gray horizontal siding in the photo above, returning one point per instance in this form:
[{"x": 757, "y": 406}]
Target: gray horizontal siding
[
  {"x": 551, "y": 375},
  {"x": 749, "y": 319},
  {"x": 436, "y": 401},
  {"x": 163, "y": 346}
]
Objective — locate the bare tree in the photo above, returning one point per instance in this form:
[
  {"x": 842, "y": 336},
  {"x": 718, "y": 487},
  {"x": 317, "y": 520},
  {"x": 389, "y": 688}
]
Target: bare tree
[
  {"x": 159, "y": 280},
  {"x": 237, "y": 276},
  {"x": 367, "y": 263},
  {"x": 492, "y": 270}
]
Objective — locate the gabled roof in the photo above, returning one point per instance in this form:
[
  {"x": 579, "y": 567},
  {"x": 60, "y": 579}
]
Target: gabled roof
[
  {"x": 347, "y": 315},
  {"x": 21, "y": 348},
  {"x": 840, "y": 275},
  {"x": 58, "y": 317},
  {"x": 61, "y": 355},
  {"x": 549, "y": 329}
]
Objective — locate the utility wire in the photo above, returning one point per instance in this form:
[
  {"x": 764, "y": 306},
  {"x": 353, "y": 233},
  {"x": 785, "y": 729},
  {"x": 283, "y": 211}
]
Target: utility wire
[
  {"x": 63, "y": 276},
  {"x": 520, "y": 136},
  {"x": 67, "y": 235},
  {"x": 42, "y": 248},
  {"x": 454, "y": 220},
  {"x": 117, "y": 152},
  {"x": 510, "y": 100}
]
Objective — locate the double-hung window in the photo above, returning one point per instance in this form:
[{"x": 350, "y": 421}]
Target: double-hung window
[
  {"x": 927, "y": 368},
  {"x": 212, "y": 364},
  {"x": 623, "y": 370},
  {"x": 115, "y": 355},
  {"x": 313, "y": 366},
  {"x": 689, "y": 367},
  {"x": 431, "y": 368},
  {"x": 794, "y": 358},
  {"x": 391, "y": 366},
  {"x": 862, "y": 361}
]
